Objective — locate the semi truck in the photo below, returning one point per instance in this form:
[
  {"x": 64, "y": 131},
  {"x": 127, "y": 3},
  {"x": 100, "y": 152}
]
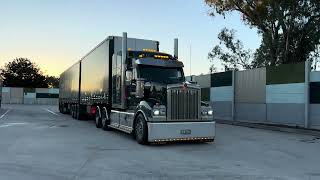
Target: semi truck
[{"x": 128, "y": 85}]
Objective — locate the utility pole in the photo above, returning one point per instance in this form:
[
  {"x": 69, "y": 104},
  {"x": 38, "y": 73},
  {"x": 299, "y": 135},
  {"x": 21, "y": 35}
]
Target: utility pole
[{"x": 190, "y": 60}]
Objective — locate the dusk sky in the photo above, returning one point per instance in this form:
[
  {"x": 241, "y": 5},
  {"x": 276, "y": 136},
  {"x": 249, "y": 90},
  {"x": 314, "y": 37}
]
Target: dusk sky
[{"x": 57, "y": 33}]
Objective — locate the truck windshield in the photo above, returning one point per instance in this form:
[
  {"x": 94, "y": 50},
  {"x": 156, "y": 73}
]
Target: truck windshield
[{"x": 160, "y": 74}]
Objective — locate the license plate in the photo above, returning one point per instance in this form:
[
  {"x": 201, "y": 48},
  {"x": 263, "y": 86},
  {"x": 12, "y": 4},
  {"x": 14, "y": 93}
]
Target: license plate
[{"x": 185, "y": 131}]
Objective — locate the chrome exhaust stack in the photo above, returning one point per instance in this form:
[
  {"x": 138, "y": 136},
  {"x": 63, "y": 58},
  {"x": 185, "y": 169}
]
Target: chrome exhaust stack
[{"x": 176, "y": 51}]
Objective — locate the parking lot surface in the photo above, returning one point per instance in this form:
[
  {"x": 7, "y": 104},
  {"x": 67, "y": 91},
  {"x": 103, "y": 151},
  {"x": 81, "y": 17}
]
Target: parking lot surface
[{"x": 37, "y": 142}]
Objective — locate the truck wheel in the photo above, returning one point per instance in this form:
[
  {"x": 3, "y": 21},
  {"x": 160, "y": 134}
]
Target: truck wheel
[
  {"x": 105, "y": 120},
  {"x": 98, "y": 118},
  {"x": 76, "y": 112},
  {"x": 72, "y": 111},
  {"x": 64, "y": 109},
  {"x": 141, "y": 130}
]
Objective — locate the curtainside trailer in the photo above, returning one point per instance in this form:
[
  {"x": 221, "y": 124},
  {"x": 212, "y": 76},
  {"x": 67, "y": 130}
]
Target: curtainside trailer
[{"x": 128, "y": 85}]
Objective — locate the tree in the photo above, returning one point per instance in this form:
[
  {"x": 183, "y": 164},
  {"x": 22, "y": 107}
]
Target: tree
[
  {"x": 231, "y": 52},
  {"x": 289, "y": 28},
  {"x": 21, "y": 72},
  {"x": 53, "y": 82}
]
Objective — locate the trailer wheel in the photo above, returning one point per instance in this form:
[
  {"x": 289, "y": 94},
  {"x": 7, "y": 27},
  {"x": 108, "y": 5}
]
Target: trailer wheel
[
  {"x": 72, "y": 111},
  {"x": 141, "y": 130},
  {"x": 76, "y": 112},
  {"x": 98, "y": 118},
  {"x": 105, "y": 120},
  {"x": 64, "y": 109}
]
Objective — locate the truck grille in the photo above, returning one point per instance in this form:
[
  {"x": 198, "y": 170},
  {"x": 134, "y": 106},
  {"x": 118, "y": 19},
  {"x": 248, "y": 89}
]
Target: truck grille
[{"x": 183, "y": 104}]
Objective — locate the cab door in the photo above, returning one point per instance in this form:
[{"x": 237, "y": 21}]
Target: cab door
[{"x": 116, "y": 88}]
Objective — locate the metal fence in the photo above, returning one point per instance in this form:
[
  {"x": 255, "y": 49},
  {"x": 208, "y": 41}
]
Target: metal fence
[
  {"x": 287, "y": 94},
  {"x": 44, "y": 96}
]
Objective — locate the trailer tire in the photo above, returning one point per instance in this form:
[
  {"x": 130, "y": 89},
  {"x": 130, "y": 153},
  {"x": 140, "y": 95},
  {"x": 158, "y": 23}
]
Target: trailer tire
[
  {"x": 97, "y": 118},
  {"x": 76, "y": 112},
  {"x": 141, "y": 130},
  {"x": 64, "y": 109},
  {"x": 105, "y": 120},
  {"x": 72, "y": 111}
]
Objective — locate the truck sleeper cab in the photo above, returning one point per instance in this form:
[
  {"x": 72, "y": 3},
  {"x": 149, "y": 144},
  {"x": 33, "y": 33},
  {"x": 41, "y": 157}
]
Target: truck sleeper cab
[{"x": 139, "y": 91}]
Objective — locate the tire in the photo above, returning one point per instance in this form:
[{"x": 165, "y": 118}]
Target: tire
[
  {"x": 64, "y": 109},
  {"x": 141, "y": 130},
  {"x": 98, "y": 119},
  {"x": 105, "y": 120},
  {"x": 77, "y": 112},
  {"x": 72, "y": 111}
]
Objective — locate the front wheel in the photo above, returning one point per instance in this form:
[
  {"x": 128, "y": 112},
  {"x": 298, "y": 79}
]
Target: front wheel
[{"x": 141, "y": 130}]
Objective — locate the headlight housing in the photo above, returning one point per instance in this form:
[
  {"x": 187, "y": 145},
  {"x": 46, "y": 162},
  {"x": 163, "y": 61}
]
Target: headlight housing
[
  {"x": 206, "y": 111},
  {"x": 159, "y": 110}
]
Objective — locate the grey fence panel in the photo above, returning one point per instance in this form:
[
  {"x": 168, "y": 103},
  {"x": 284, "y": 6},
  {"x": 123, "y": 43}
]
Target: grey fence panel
[
  {"x": 13, "y": 95},
  {"x": 42, "y": 90},
  {"x": 203, "y": 80},
  {"x": 29, "y": 101},
  {"x": 314, "y": 115},
  {"x": 224, "y": 93},
  {"x": 47, "y": 101},
  {"x": 315, "y": 76},
  {"x": 285, "y": 93},
  {"x": 288, "y": 114},
  {"x": 222, "y": 110},
  {"x": 255, "y": 113},
  {"x": 16, "y": 93},
  {"x": 5, "y": 97},
  {"x": 16, "y": 100},
  {"x": 250, "y": 86}
]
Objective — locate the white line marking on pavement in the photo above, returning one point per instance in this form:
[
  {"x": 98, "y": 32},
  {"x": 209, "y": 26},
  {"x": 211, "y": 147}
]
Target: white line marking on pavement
[
  {"x": 51, "y": 111},
  {"x": 4, "y": 114},
  {"x": 11, "y": 124}
]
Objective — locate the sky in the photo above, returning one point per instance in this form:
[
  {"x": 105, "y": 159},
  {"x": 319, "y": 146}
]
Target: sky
[{"x": 56, "y": 33}]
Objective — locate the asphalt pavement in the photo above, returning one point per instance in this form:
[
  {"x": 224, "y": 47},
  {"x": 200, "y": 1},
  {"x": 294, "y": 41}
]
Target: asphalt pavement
[{"x": 37, "y": 142}]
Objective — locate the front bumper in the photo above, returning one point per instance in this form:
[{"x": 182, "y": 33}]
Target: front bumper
[{"x": 181, "y": 131}]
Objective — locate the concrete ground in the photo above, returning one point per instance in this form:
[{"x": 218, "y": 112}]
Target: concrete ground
[{"x": 37, "y": 142}]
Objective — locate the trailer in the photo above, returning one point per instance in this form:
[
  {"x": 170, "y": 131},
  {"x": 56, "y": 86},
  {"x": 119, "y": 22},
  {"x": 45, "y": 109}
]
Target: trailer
[{"x": 128, "y": 85}]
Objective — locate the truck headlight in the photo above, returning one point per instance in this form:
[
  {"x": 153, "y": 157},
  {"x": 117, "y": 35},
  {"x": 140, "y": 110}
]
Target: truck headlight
[
  {"x": 156, "y": 112},
  {"x": 159, "y": 110},
  {"x": 206, "y": 111}
]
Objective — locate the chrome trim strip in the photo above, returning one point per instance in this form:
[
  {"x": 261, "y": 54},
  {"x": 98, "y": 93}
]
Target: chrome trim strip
[
  {"x": 123, "y": 128},
  {"x": 121, "y": 112}
]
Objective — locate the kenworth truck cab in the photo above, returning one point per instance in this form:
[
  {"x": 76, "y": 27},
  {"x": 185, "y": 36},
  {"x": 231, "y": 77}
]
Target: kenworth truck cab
[{"x": 135, "y": 88}]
